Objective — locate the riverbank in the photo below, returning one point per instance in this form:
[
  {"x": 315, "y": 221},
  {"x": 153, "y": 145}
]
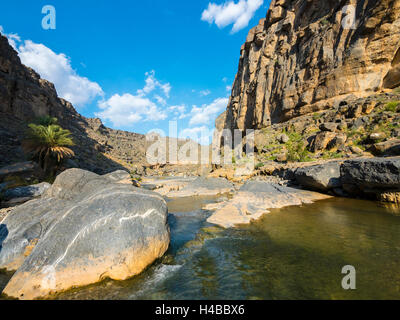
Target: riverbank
[{"x": 61, "y": 226}]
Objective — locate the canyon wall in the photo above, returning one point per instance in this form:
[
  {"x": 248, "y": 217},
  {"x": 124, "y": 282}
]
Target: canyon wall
[
  {"x": 310, "y": 55},
  {"x": 24, "y": 96}
]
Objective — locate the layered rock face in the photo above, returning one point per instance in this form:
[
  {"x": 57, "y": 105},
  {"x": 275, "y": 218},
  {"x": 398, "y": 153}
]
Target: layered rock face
[
  {"x": 24, "y": 96},
  {"x": 85, "y": 228},
  {"x": 308, "y": 55}
]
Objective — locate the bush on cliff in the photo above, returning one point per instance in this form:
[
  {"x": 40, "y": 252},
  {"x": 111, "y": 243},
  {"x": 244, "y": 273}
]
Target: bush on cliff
[{"x": 48, "y": 145}]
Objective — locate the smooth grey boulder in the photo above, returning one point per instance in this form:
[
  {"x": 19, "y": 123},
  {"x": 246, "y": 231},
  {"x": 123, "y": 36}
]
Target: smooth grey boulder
[
  {"x": 84, "y": 229},
  {"x": 321, "y": 177},
  {"x": 373, "y": 174},
  {"x": 118, "y": 176},
  {"x": 31, "y": 192}
]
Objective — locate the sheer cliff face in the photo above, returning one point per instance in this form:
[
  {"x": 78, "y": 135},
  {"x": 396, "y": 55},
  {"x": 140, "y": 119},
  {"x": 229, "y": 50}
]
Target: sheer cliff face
[{"x": 302, "y": 59}]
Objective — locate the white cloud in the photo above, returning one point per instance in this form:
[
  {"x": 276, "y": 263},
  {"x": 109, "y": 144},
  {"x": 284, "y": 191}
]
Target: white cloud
[
  {"x": 205, "y": 93},
  {"x": 179, "y": 111},
  {"x": 239, "y": 14},
  {"x": 206, "y": 113},
  {"x": 152, "y": 84},
  {"x": 228, "y": 88},
  {"x": 127, "y": 109},
  {"x": 57, "y": 69},
  {"x": 160, "y": 100}
]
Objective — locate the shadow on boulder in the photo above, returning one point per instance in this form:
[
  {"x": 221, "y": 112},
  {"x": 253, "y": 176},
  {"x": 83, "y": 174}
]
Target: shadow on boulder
[{"x": 3, "y": 234}]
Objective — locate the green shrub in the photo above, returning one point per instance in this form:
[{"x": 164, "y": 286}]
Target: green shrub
[
  {"x": 46, "y": 121},
  {"x": 297, "y": 151},
  {"x": 317, "y": 116},
  {"x": 392, "y": 106},
  {"x": 396, "y": 90},
  {"x": 332, "y": 155},
  {"x": 259, "y": 165}
]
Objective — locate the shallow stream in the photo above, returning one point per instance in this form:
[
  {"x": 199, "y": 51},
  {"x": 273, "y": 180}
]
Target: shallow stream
[{"x": 291, "y": 253}]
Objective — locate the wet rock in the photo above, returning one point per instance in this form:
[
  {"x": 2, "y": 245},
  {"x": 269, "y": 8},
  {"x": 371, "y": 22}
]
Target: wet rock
[
  {"x": 253, "y": 201},
  {"x": 321, "y": 177},
  {"x": 84, "y": 229}
]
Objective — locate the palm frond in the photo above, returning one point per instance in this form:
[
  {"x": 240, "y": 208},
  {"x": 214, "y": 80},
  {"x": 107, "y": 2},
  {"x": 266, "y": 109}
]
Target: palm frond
[{"x": 45, "y": 142}]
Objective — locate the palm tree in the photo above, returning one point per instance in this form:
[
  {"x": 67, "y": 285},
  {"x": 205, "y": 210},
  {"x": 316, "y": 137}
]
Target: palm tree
[
  {"x": 48, "y": 145},
  {"x": 46, "y": 121}
]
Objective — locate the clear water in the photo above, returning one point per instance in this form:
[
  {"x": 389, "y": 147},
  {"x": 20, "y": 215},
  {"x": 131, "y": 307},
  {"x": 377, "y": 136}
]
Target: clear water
[{"x": 291, "y": 253}]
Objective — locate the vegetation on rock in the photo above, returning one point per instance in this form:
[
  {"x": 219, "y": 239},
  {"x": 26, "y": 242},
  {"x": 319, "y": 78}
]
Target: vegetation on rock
[{"x": 48, "y": 144}]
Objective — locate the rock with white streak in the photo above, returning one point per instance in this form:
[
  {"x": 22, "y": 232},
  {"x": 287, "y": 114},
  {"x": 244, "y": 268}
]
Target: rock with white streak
[{"x": 84, "y": 229}]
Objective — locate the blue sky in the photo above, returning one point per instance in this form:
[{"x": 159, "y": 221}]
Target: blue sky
[{"x": 137, "y": 64}]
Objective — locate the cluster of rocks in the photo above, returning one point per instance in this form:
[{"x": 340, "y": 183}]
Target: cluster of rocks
[
  {"x": 84, "y": 228},
  {"x": 353, "y": 128},
  {"x": 373, "y": 178}
]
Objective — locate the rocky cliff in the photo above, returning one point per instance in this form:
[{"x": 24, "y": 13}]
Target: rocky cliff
[
  {"x": 24, "y": 96},
  {"x": 308, "y": 55}
]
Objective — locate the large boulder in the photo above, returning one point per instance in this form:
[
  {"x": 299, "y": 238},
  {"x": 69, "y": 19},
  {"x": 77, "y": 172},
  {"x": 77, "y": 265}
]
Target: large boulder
[
  {"x": 371, "y": 175},
  {"x": 321, "y": 177},
  {"x": 84, "y": 229}
]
